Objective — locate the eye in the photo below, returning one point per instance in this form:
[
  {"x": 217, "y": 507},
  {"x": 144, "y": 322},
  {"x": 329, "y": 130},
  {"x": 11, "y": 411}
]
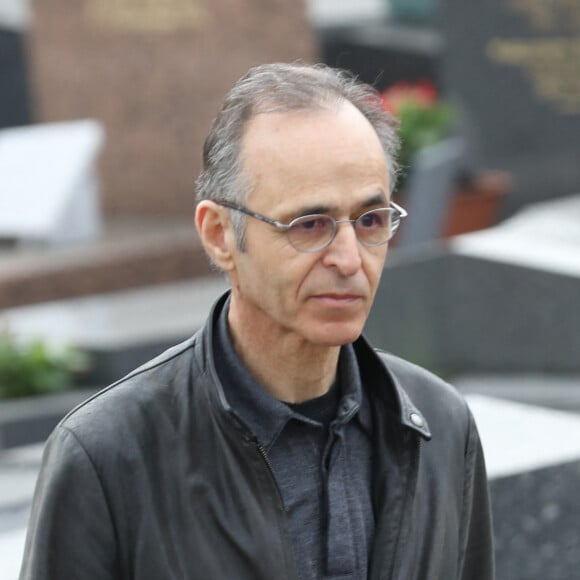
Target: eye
[
  {"x": 312, "y": 223},
  {"x": 372, "y": 219}
]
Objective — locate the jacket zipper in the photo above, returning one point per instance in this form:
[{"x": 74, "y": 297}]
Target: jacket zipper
[
  {"x": 268, "y": 463},
  {"x": 283, "y": 533}
]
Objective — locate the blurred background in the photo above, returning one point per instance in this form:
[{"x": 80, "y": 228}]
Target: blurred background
[{"x": 104, "y": 106}]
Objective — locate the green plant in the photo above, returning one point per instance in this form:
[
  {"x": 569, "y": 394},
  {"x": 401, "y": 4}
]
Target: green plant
[
  {"x": 32, "y": 368},
  {"x": 423, "y": 119}
]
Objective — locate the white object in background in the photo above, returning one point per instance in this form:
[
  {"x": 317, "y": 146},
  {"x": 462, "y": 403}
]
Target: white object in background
[
  {"x": 344, "y": 12},
  {"x": 518, "y": 438},
  {"x": 544, "y": 235},
  {"x": 15, "y": 14},
  {"x": 48, "y": 182},
  {"x": 11, "y": 552}
]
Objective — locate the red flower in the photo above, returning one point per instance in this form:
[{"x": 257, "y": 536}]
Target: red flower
[{"x": 422, "y": 93}]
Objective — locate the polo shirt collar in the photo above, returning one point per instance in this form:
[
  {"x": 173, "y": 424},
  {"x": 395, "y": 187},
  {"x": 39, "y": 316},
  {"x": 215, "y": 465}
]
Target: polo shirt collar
[{"x": 265, "y": 415}]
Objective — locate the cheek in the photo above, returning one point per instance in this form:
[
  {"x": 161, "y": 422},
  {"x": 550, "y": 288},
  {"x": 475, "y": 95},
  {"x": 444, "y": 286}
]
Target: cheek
[
  {"x": 373, "y": 268},
  {"x": 308, "y": 273},
  {"x": 268, "y": 279}
]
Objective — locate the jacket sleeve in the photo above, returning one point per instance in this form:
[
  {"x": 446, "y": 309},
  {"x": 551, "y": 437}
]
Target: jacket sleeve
[
  {"x": 476, "y": 558},
  {"x": 70, "y": 533}
]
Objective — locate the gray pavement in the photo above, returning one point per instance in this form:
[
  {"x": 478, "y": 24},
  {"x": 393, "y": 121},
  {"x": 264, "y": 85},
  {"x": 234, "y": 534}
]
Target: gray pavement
[
  {"x": 118, "y": 319},
  {"x": 18, "y": 472}
]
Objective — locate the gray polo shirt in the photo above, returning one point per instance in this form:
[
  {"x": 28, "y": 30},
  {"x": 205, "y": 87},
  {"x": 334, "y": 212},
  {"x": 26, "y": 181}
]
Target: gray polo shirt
[{"x": 321, "y": 455}]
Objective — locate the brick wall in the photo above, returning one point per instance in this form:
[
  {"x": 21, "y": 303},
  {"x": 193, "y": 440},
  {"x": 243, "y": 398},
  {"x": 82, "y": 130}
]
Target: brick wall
[{"x": 154, "y": 72}]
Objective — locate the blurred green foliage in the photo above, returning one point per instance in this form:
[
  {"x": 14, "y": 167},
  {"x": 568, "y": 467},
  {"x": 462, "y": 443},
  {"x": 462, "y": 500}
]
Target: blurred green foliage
[
  {"x": 32, "y": 368},
  {"x": 420, "y": 127}
]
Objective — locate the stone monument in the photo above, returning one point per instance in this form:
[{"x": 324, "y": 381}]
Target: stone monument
[
  {"x": 500, "y": 300},
  {"x": 153, "y": 72},
  {"x": 57, "y": 203},
  {"x": 513, "y": 66}
]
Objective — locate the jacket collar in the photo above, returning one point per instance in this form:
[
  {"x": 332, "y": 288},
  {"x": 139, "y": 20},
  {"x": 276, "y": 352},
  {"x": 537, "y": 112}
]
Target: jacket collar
[{"x": 409, "y": 414}]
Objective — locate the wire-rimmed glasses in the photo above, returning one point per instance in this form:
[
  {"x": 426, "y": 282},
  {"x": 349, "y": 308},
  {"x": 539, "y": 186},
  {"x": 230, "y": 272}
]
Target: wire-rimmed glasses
[{"x": 312, "y": 233}]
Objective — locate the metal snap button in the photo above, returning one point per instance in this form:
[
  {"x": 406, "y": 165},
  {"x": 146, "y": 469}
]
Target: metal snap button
[{"x": 417, "y": 420}]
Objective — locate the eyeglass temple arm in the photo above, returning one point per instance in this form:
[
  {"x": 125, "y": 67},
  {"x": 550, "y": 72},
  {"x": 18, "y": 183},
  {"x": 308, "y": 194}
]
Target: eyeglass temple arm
[
  {"x": 402, "y": 211},
  {"x": 253, "y": 214}
]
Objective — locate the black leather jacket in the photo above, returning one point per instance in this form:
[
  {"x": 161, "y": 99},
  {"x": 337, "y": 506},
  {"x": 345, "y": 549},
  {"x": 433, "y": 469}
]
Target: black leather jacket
[{"x": 153, "y": 479}]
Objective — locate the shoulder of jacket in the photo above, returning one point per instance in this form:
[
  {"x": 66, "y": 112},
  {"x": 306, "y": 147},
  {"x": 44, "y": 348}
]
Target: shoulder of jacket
[{"x": 156, "y": 380}]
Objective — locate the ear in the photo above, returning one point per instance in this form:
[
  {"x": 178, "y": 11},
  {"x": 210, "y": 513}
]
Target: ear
[{"x": 216, "y": 233}]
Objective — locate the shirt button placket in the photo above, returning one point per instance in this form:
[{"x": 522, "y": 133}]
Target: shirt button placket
[{"x": 339, "y": 541}]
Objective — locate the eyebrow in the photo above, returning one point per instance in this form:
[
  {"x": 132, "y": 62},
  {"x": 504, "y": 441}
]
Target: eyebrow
[{"x": 377, "y": 199}]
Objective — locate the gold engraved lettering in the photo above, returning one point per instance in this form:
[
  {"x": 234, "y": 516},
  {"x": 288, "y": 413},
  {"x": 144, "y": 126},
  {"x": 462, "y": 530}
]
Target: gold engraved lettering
[
  {"x": 549, "y": 14},
  {"x": 551, "y": 65},
  {"x": 151, "y": 16}
]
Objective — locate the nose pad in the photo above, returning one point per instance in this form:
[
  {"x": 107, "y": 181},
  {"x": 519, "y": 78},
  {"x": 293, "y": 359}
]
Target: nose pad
[{"x": 344, "y": 225}]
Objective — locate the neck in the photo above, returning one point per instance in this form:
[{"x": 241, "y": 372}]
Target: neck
[{"x": 289, "y": 368}]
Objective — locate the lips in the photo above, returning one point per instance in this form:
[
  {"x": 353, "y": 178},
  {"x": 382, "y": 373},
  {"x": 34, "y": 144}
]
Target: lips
[{"x": 338, "y": 299}]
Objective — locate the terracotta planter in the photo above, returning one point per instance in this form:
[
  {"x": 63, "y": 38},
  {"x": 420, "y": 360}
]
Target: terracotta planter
[{"x": 476, "y": 204}]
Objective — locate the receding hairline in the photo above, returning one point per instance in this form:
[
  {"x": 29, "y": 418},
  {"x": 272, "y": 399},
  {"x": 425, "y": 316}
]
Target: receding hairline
[
  {"x": 330, "y": 106},
  {"x": 272, "y": 103}
]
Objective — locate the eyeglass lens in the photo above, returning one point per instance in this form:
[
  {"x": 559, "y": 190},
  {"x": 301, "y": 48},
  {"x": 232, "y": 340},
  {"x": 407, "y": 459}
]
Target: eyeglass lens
[{"x": 314, "y": 232}]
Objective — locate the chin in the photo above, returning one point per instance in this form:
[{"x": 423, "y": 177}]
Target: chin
[{"x": 333, "y": 336}]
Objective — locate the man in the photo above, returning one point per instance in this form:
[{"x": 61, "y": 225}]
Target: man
[{"x": 276, "y": 443}]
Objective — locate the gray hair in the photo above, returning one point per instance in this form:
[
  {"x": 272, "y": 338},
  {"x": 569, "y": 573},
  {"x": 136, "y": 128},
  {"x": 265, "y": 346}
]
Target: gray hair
[{"x": 282, "y": 88}]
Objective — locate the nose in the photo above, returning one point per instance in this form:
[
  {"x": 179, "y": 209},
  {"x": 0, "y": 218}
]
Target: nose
[{"x": 343, "y": 253}]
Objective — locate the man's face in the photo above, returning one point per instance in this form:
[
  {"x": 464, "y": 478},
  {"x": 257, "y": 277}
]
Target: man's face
[{"x": 302, "y": 163}]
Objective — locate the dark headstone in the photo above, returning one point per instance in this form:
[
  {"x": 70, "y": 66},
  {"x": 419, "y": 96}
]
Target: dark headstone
[
  {"x": 383, "y": 53},
  {"x": 454, "y": 313},
  {"x": 536, "y": 524},
  {"x": 14, "y": 93},
  {"x": 514, "y": 68},
  {"x": 428, "y": 192}
]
